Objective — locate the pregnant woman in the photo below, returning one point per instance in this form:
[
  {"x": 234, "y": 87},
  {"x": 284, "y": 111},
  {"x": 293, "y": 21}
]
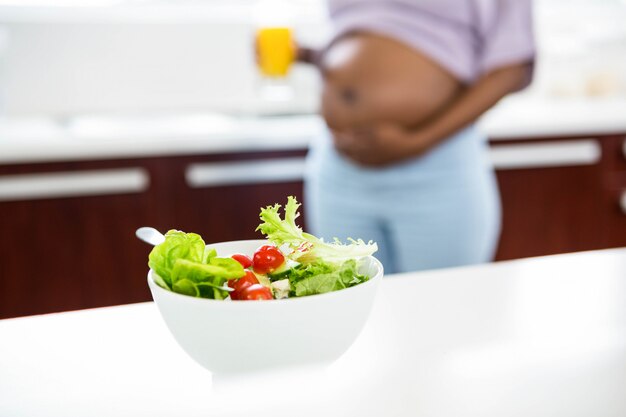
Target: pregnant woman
[{"x": 402, "y": 163}]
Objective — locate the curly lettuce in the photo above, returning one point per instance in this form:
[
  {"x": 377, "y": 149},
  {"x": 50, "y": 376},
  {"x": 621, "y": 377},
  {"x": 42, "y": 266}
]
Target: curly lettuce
[
  {"x": 323, "y": 267},
  {"x": 306, "y": 248}
]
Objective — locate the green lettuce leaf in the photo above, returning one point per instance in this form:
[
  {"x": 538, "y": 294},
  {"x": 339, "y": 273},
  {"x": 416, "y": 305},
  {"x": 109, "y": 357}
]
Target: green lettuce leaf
[
  {"x": 177, "y": 245},
  {"x": 184, "y": 265},
  {"x": 306, "y": 248},
  {"x": 209, "y": 253},
  {"x": 207, "y": 279},
  {"x": 309, "y": 281},
  {"x": 219, "y": 269},
  {"x": 186, "y": 287},
  {"x": 317, "y": 267}
]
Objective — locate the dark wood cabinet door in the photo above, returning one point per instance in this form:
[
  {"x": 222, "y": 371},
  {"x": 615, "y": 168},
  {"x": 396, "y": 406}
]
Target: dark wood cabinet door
[
  {"x": 75, "y": 248},
  {"x": 80, "y": 251},
  {"x": 549, "y": 211},
  {"x": 616, "y": 213},
  {"x": 72, "y": 253},
  {"x": 221, "y": 198},
  {"x": 554, "y": 209},
  {"x": 224, "y": 213},
  {"x": 615, "y": 183}
]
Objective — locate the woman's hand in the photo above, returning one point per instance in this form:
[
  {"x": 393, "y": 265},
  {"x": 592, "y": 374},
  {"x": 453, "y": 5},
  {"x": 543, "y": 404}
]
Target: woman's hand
[
  {"x": 307, "y": 55},
  {"x": 379, "y": 145}
]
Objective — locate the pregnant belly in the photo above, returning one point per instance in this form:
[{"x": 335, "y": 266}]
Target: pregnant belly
[{"x": 370, "y": 78}]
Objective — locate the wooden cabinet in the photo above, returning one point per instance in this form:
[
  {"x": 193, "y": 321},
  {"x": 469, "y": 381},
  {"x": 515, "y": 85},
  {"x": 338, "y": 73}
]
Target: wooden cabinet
[
  {"x": 615, "y": 186},
  {"x": 71, "y": 253},
  {"x": 564, "y": 201},
  {"x": 226, "y": 196},
  {"x": 68, "y": 228}
]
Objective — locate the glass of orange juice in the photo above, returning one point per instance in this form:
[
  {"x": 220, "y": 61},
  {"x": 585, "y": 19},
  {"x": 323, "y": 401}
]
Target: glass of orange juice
[{"x": 276, "y": 50}]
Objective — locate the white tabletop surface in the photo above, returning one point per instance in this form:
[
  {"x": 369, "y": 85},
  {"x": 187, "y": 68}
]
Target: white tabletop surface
[
  {"x": 536, "y": 337},
  {"x": 126, "y": 136}
]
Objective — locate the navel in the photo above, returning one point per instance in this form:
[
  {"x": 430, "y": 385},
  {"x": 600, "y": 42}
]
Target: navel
[{"x": 349, "y": 95}]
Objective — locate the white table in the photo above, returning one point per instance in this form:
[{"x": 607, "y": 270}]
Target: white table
[{"x": 536, "y": 337}]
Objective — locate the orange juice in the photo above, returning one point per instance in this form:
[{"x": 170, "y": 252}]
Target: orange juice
[{"x": 276, "y": 51}]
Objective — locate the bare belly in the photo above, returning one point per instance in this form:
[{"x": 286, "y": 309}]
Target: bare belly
[{"x": 369, "y": 79}]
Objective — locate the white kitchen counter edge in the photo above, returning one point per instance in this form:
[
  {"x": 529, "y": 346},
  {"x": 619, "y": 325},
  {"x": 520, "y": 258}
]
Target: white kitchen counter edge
[{"x": 511, "y": 119}]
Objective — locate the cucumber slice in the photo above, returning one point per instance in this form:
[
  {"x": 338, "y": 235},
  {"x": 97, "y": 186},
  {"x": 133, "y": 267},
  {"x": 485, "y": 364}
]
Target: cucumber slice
[
  {"x": 283, "y": 270},
  {"x": 263, "y": 280}
]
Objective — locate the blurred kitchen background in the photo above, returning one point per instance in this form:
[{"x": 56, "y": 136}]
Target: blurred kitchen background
[{"x": 118, "y": 114}]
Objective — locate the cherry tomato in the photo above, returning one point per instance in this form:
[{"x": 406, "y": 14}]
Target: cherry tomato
[
  {"x": 244, "y": 260},
  {"x": 266, "y": 259},
  {"x": 256, "y": 292},
  {"x": 241, "y": 284},
  {"x": 233, "y": 294}
]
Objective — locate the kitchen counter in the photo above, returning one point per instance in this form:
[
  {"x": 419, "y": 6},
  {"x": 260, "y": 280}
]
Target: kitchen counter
[
  {"x": 108, "y": 137},
  {"x": 535, "y": 337},
  {"x": 100, "y": 137}
]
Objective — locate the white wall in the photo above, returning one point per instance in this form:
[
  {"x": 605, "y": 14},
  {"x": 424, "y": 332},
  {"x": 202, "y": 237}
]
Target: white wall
[
  {"x": 582, "y": 47},
  {"x": 65, "y": 63},
  {"x": 72, "y": 67}
]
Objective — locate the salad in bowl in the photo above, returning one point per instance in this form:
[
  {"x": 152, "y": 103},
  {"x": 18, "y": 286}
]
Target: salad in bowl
[
  {"x": 257, "y": 305},
  {"x": 291, "y": 264}
]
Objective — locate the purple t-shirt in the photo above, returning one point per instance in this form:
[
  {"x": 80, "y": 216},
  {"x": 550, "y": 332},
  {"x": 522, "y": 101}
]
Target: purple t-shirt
[{"x": 466, "y": 37}]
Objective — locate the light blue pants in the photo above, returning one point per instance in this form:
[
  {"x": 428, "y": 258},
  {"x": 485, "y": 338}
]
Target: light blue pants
[{"x": 439, "y": 210}]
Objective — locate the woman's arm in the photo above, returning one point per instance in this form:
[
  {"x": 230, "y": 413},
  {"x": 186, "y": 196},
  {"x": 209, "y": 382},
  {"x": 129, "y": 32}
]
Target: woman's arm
[
  {"x": 386, "y": 144},
  {"x": 473, "y": 103},
  {"x": 308, "y": 55}
]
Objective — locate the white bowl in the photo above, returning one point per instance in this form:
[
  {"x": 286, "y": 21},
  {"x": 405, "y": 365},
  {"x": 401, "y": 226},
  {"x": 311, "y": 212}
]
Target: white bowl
[{"x": 229, "y": 337}]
